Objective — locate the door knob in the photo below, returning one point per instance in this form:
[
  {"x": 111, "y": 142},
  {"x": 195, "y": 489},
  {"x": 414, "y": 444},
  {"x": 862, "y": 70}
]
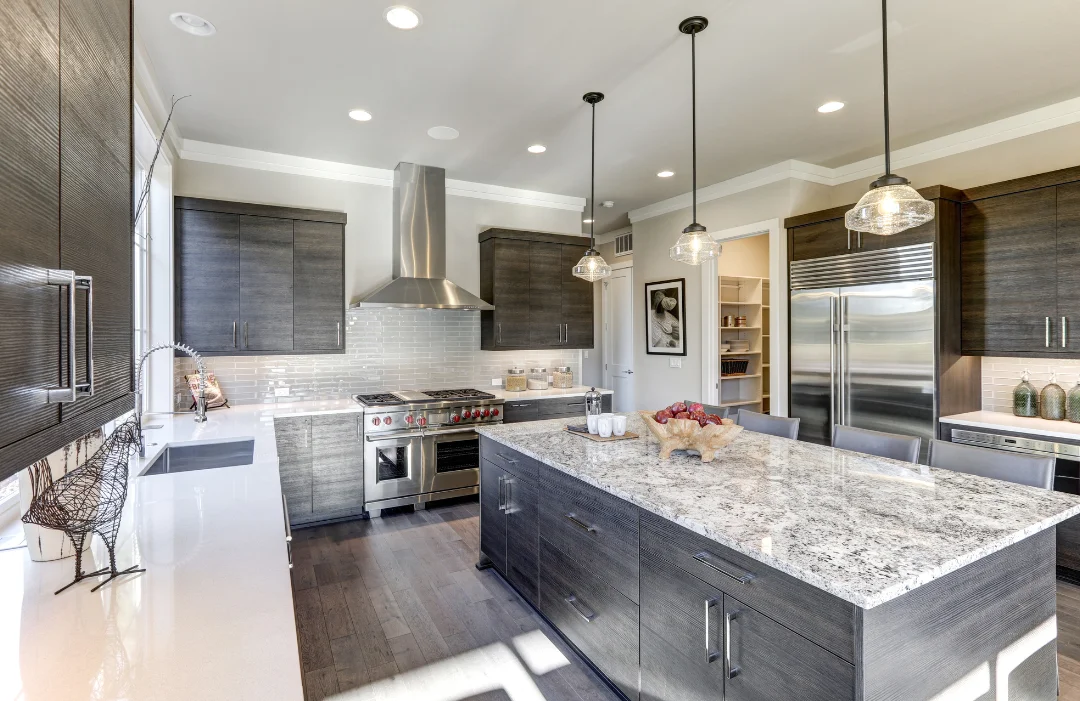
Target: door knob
[{"x": 629, "y": 372}]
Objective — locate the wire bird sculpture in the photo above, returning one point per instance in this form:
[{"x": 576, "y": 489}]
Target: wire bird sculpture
[{"x": 90, "y": 499}]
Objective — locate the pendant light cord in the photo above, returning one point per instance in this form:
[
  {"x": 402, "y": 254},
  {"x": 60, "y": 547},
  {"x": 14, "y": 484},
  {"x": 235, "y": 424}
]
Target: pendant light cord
[
  {"x": 885, "y": 73},
  {"x": 693, "y": 117},
  {"x": 592, "y": 184}
]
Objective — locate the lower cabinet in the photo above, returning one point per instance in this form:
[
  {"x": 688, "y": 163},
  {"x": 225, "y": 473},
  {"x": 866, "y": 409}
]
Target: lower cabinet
[
  {"x": 321, "y": 464},
  {"x": 508, "y": 533},
  {"x": 515, "y": 411}
]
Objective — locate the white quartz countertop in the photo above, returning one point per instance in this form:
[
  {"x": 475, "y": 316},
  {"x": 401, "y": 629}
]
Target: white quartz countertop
[
  {"x": 211, "y": 618},
  {"x": 1001, "y": 421},
  {"x": 863, "y": 528}
]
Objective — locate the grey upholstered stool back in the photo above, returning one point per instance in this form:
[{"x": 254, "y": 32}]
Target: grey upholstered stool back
[
  {"x": 1032, "y": 470},
  {"x": 879, "y": 443},
  {"x": 772, "y": 425}
]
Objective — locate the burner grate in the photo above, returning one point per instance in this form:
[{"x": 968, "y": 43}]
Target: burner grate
[
  {"x": 457, "y": 394},
  {"x": 378, "y": 398}
]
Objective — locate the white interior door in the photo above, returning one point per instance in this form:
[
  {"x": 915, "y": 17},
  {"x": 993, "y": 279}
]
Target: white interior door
[{"x": 619, "y": 337}]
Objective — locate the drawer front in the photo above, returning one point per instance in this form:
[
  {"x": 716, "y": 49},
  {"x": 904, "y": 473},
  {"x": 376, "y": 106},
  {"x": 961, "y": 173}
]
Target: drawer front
[
  {"x": 771, "y": 662},
  {"x": 593, "y": 528},
  {"x": 682, "y": 632},
  {"x": 507, "y": 458},
  {"x": 599, "y": 621},
  {"x": 561, "y": 407},
  {"x": 521, "y": 536},
  {"x": 520, "y": 411},
  {"x": 809, "y": 611}
]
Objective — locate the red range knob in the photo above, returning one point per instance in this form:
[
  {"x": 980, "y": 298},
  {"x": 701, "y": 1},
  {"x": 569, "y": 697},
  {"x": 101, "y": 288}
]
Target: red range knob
[
  {"x": 422, "y": 421},
  {"x": 455, "y": 418},
  {"x": 387, "y": 420},
  {"x": 375, "y": 421},
  {"x": 476, "y": 413},
  {"x": 409, "y": 419},
  {"x": 494, "y": 412},
  {"x": 487, "y": 413}
]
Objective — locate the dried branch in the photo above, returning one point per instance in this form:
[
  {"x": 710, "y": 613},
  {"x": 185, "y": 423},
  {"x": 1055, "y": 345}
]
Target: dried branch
[{"x": 144, "y": 196}]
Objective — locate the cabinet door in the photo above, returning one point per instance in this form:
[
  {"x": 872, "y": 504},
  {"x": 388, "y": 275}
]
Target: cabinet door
[
  {"x": 29, "y": 226},
  {"x": 545, "y": 295},
  {"x": 521, "y": 536},
  {"x": 293, "y": 438},
  {"x": 515, "y": 412},
  {"x": 208, "y": 279},
  {"x": 827, "y": 238},
  {"x": 1008, "y": 276},
  {"x": 337, "y": 466},
  {"x": 266, "y": 283},
  {"x": 492, "y": 521},
  {"x": 1068, "y": 269},
  {"x": 319, "y": 286},
  {"x": 577, "y": 301},
  {"x": 766, "y": 661},
  {"x": 96, "y": 187},
  {"x": 510, "y": 270}
]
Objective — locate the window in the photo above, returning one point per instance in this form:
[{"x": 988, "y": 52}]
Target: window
[{"x": 140, "y": 301}]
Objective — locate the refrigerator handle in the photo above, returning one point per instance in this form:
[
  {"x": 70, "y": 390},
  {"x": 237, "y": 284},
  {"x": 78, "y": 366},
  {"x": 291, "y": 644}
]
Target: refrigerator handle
[
  {"x": 833, "y": 413},
  {"x": 842, "y": 303}
]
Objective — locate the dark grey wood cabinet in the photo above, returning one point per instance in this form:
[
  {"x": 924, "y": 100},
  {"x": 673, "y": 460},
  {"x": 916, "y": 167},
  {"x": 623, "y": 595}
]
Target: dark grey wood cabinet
[
  {"x": 516, "y": 410},
  {"x": 508, "y": 505},
  {"x": 538, "y": 302},
  {"x": 66, "y": 191},
  {"x": 259, "y": 279},
  {"x": 321, "y": 466}
]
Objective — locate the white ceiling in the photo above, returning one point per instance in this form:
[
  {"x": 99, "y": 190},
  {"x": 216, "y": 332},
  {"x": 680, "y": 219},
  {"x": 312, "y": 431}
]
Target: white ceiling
[{"x": 280, "y": 75}]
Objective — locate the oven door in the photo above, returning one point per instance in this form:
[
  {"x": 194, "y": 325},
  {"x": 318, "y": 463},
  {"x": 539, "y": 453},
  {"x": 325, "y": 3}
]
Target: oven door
[
  {"x": 393, "y": 466},
  {"x": 451, "y": 459}
]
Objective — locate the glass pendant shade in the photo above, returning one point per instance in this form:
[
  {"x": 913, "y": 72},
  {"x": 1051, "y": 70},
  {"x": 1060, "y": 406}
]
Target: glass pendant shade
[
  {"x": 694, "y": 247},
  {"x": 889, "y": 209},
  {"x": 592, "y": 267}
]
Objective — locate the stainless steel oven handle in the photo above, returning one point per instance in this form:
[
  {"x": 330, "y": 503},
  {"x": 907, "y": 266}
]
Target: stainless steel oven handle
[
  {"x": 392, "y": 436},
  {"x": 450, "y": 431}
]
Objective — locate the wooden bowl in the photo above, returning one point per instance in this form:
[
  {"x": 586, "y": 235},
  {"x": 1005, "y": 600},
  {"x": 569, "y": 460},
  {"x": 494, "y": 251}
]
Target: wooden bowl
[{"x": 687, "y": 434}]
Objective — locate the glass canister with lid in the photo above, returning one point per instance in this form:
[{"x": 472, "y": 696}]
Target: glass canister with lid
[
  {"x": 563, "y": 377},
  {"x": 1025, "y": 397},
  {"x": 538, "y": 378},
  {"x": 1052, "y": 400},
  {"x": 515, "y": 380},
  {"x": 1072, "y": 412}
]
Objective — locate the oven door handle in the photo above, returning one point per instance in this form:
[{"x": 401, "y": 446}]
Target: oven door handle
[
  {"x": 396, "y": 435},
  {"x": 450, "y": 431}
]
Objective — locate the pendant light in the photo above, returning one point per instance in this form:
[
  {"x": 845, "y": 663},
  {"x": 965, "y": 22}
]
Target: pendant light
[
  {"x": 695, "y": 246},
  {"x": 891, "y": 205},
  {"x": 592, "y": 266}
]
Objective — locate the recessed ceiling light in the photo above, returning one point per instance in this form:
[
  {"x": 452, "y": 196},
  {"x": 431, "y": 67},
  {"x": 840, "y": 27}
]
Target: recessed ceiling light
[
  {"x": 665, "y": 174},
  {"x": 537, "y": 148},
  {"x": 586, "y": 221},
  {"x": 403, "y": 17},
  {"x": 360, "y": 115},
  {"x": 832, "y": 106},
  {"x": 192, "y": 24},
  {"x": 443, "y": 133}
]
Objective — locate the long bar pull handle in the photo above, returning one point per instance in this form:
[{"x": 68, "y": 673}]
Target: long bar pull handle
[
  {"x": 833, "y": 418},
  {"x": 714, "y": 563},
  {"x": 508, "y": 507},
  {"x": 247, "y": 340},
  {"x": 1064, "y": 333},
  {"x": 730, "y": 670},
  {"x": 572, "y": 518},
  {"x": 1047, "y": 332},
  {"x": 339, "y": 333},
  {"x": 502, "y": 504},
  {"x": 507, "y": 459},
  {"x": 566, "y": 333},
  {"x": 580, "y": 609},
  {"x": 65, "y": 392},
  {"x": 86, "y": 282},
  {"x": 710, "y": 654},
  {"x": 234, "y": 333},
  {"x": 859, "y": 240},
  {"x": 288, "y": 529},
  {"x": 498, "y": 333},
  {"x": 849, "y": 239},
  {"x": 844, "y": 378}
]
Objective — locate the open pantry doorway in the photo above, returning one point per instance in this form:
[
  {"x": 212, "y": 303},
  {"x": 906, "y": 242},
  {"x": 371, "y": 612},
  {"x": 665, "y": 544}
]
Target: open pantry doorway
[{"x": 744, "y": 343}]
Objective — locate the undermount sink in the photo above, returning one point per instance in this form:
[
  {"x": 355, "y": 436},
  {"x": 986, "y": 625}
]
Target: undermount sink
[{"x": 202, "y": 456}]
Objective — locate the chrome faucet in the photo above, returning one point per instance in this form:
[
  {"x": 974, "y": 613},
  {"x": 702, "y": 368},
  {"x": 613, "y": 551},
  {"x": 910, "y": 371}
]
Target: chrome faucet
[{"x": 200, "y": 398}]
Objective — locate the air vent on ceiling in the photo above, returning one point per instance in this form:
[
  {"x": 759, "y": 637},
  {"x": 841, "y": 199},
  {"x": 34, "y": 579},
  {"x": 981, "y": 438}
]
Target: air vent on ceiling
[{"x": 624, "y": 244}]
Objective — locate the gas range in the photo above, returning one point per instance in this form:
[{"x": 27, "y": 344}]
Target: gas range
[{"x": 411, "y": 410}]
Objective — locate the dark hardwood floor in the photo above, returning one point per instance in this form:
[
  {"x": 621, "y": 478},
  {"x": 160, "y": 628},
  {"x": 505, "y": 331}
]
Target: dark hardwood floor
[{"x": 394, "y": 609}]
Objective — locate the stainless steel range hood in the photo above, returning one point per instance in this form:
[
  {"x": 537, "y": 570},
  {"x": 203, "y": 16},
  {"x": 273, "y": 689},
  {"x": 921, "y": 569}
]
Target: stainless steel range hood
[{"x": 419, "y": 272}]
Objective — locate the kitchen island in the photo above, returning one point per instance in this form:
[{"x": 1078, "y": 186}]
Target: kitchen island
[{"x": 781, "y": 570}]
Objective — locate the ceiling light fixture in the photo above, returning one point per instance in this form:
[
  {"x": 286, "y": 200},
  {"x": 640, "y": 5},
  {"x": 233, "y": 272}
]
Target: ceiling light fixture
[
  {"x": 403, "y": 17},
  {"x": 891, "y": 205},
  {"x": 443, "y": 133},
  {"x": 360, "y": 115},
  {"x": 537, "y": 148},
  {"x": 665, "y": 174},
  {"x": 592, "y": 266},
  {"x": 695, "y": 246},
  {"x": 831, "y": 106},
  {"x": 192, "y": 24}
]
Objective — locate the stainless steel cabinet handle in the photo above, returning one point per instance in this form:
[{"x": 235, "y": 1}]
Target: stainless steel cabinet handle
[
  {"x": 849, "y": 239},
  {"x": 714, "y": 563},
  {"x": 572, "y": 518},
  {"x": 580, "y": 609},
  {"x": 566, "y": 333},
  {"x": 498, "y": 333},
  {"x": 859, "y": 239},
  {"x": 234, "y": 333},
  {"x": 86, "y": 282},
  {"x": 507, "y": 508},
  {"x": 508, "y": 459},
  {"x": 64, "y": 394},
  {"x": 288, "y": 529},
  {"x": 1047, "y": 332},
  {"x": 710, "y": 654},
  {"x": 339, "y": 333},
  {"x": 1064, "y": 333},
  {"x": 247, "y": 342},
  {"x": 731, "y": 671},
  {"x": 502, "y": 504},
  {"x": 359, "y": 434}
]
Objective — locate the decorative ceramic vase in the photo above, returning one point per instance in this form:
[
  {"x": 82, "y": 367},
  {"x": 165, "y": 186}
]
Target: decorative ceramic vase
[
  {"x": 1052, "y": 400},
  {"x": 1072, "y": 412},
  {"x": 1025, "y": 398}
]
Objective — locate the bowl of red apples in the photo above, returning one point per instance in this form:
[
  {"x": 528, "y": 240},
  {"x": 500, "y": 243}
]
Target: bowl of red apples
[{"x": 687, "y": 426}]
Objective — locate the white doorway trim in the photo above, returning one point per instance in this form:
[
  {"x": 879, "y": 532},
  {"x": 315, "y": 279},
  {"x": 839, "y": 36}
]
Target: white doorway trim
[
  {"x": 778, "y": 303},
  {"x": 605, "y": 306}
]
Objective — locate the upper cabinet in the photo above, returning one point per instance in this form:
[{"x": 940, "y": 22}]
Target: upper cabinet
[
  {"x": 538, "y": 303},
  {"x": 1020, "y": 243},
  {"x": 65, "y": 227},
  {"x": 256, "y": 279}
]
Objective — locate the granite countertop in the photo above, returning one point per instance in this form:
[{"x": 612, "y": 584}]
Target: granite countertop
[
  {"x": 1001, "y": 421},
  {"x": 863, "y": 528}
]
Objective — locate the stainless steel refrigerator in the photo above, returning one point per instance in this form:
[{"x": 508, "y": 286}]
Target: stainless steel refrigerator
[{"x": 863, "y": 343}]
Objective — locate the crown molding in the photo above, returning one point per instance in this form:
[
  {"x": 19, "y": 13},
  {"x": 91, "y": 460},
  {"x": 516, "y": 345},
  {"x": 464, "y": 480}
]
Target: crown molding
[
  {"x": 1025, "y": 124},
  {"x": 147, "y": 92},
  {"x": 331, "y": 170}
]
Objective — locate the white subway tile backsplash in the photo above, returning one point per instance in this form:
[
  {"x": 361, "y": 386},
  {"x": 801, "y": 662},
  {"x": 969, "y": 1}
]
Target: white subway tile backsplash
[
  {"x": 1000, "y": 375},
  {"x": 384, "y": 349}
]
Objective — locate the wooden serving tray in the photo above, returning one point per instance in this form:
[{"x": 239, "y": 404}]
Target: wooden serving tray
[{"x": 596, "y": 437}]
